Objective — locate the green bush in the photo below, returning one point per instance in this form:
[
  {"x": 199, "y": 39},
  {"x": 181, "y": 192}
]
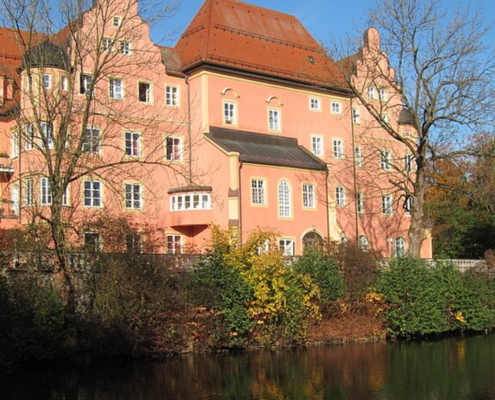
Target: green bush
[
  {"x": 324, "y": 271},
  {"x": 413, "y": 296}
]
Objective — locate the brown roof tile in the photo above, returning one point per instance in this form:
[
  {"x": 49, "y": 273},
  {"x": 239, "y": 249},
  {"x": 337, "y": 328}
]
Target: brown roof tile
[{"x": 247, "y": 37}]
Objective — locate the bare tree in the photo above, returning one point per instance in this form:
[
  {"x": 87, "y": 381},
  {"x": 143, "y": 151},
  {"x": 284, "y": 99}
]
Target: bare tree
[
  {"x": 92, "y": 109},
  {"x": 440, "y": 90}
]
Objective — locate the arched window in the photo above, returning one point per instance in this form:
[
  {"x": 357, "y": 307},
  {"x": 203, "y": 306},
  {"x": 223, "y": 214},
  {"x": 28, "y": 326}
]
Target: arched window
[
  {"x": 284, "y": 210},
  {"x": 363, "y": 242},
  {"x": 400, "y": 247}
]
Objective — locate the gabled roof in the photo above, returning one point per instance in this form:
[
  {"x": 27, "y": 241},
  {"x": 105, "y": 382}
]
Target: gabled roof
[
  {"x": 257, "y": 148},
  {"x": 242, "y": 36}
]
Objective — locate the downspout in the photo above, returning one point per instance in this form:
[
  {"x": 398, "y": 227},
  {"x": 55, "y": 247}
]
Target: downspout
[
  {"x": 327, "y": 176},
  {"x": 240, "y": 201},
  {"x": 354, "y": 173},
  {"x": 189, "y": 128},
  {"x": 19, "y": 174}
]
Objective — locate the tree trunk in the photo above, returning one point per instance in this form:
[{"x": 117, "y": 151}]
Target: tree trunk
[{"x": 417, "y": 229}]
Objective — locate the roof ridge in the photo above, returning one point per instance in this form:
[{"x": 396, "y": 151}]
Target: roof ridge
[{"x": 208, "y": 28}]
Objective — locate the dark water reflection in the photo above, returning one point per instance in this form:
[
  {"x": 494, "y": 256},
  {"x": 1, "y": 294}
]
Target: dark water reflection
[{"x": 454, "y": 368}]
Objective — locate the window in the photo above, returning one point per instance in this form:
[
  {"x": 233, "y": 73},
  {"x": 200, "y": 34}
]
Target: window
[
  {"x": 29, "y": 191},
  {"x": 308, "y": 195},
  {"x": 371, "y": 92},
  {"x": 65, "y": 197},
  {"x": 382, "y": 94},
  {"x": 336, "y": 107},
  {"x": 27, "y": 82},
  {"x": 340, "y": 196},
  {"x": 284, "y": 209},
  {"x": 385, "y": 118},
  {"x": 132, "y": 144},
  {"x": 387, "y": 205},
  {"x": 229, "y": 113},
  {"x": 46, "y": 135},
  {"x": 408, "y": 203},
  {"x": 29, "y": 136},
  {"x": 172, "y": 96},
  {"x": 45, "y": 192},
  {"x": 116, "y": 88},
  {"x": 91, "y": 142},
  {"x": 258, "y": 191},
  {"x": 125, "y": 48},
  {"x": 133, "y": 243},
  {"x": 85, "y": 82},
  {"x": 174, "y": 244},
  {"x": 274, "y": 120},
  {"x": 314, "y": 103},
  {"x": 408, "y": 162},
  {"x": 133, "y": 196},
  {"x": 286, "y": 246},
  {"x": 15, "y": 145},
  {"x": 173, "y": 149},
  {"x": 358, "y": 156},
  {"x": 92, "y": 194},
  {"x": 385, "y": 160},
  {"x": 363, "y": 242},
  {"x": 360, "y": 203},
  {"x": 195, "y": 201},
  {"x": 338, "y": 148},
  {"x": 355, "y": 116},
  {"x": 317, "y": 145},
  {"x": 399, "y": 247},
  {"x": 144, "y": 92},
  {"x": 92, "y": 241},
  {"x": 15, "y": 199},
  {"x": 47, "y": 81},
  {"x": 106, "y": 44},
  {"x": 116, "y": 22},
  {"x": 65, "y": 83}
]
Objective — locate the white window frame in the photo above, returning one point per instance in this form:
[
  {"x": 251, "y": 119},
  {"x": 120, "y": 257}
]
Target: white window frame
[
  {"x": 29, "y": 136},
  {"x": 173, "y": 148},
  {"x": 356, "y": 118},
  {"x": 133, "y": 196},
  {"x": 309, "y": 195},
  {"x": 229, "y": 112},
  {"x": 382, "y": 94},
  {"x": 96, "y": 239},
  {"x": 47, "y": 81},
  {"x": 29, "y": 191},
  {"x": 47, "y": 132},
  {"x": 147, "y": 92},
  {"x": 92, "y": 141},
  {"x": 336, "y": 107},
  {"x": 371, "y": 92},
  {"x": 85, "y": 81},
  {"x": 15, "y": 197},
  {"x": 15, "y": 144},
  {"x": 46, "y": 197},
  {"x": 116, "y": 21},
  {"x": 358, "y": 156},
  {"x": 125, "y": 47},
  {"x": 116, "y": 88},
  {"x": 360, "y": 203},
  {"x": 132, "y": 144},
  {"x": 64, "y": 83},
  {"x": 172, "y": 95},
  {"x": 408, "y": 203},
  {"x": 107, "y": 44},
  {"x": 133, "y": 242},
  {"x": 174, "y": 244},
  {"x": 284, "y": 199},
  {"x": 258, "y": 191},
  {"x": 399, "y": 247},
  {"x": 92, "y": 193},
  {"x": 340, "y": 198},
  {"x": 66, "y": 197},
  {"x": 315, "y": 103},
  {"x": 287, "y": 246},
  {"x": 190, "y": 201},
  {"x": 317, "y": 145},
  {"x": 408, "y": 162},
  {"x": 274, "y": 120},
  {"x": 338, "y": 149},
  {"x": 386, "y": 160},
  {"x": 387, "y": 205}
]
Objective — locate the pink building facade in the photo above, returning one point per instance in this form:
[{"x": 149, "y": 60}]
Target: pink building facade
[{"x": 244, "y": 123}]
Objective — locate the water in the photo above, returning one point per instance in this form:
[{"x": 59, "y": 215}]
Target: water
[{"x": 453, "y": 368}]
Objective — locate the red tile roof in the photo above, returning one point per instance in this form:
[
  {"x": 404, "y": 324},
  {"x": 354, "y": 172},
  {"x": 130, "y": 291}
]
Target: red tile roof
[{"x": 242, "y": 36}]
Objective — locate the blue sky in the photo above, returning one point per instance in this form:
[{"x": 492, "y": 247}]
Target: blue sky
[{"x": 322, "y": 18}]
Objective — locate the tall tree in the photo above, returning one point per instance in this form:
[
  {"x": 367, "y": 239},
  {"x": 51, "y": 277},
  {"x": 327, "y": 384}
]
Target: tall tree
[
  {"x": 91, "y": 110},
  {"x": 442, "y": 84}
]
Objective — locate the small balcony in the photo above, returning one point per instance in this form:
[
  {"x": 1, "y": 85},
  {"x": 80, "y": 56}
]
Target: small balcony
[
  {"x": 6, "y": 168},
  {"x": 8, "y": 210}
]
